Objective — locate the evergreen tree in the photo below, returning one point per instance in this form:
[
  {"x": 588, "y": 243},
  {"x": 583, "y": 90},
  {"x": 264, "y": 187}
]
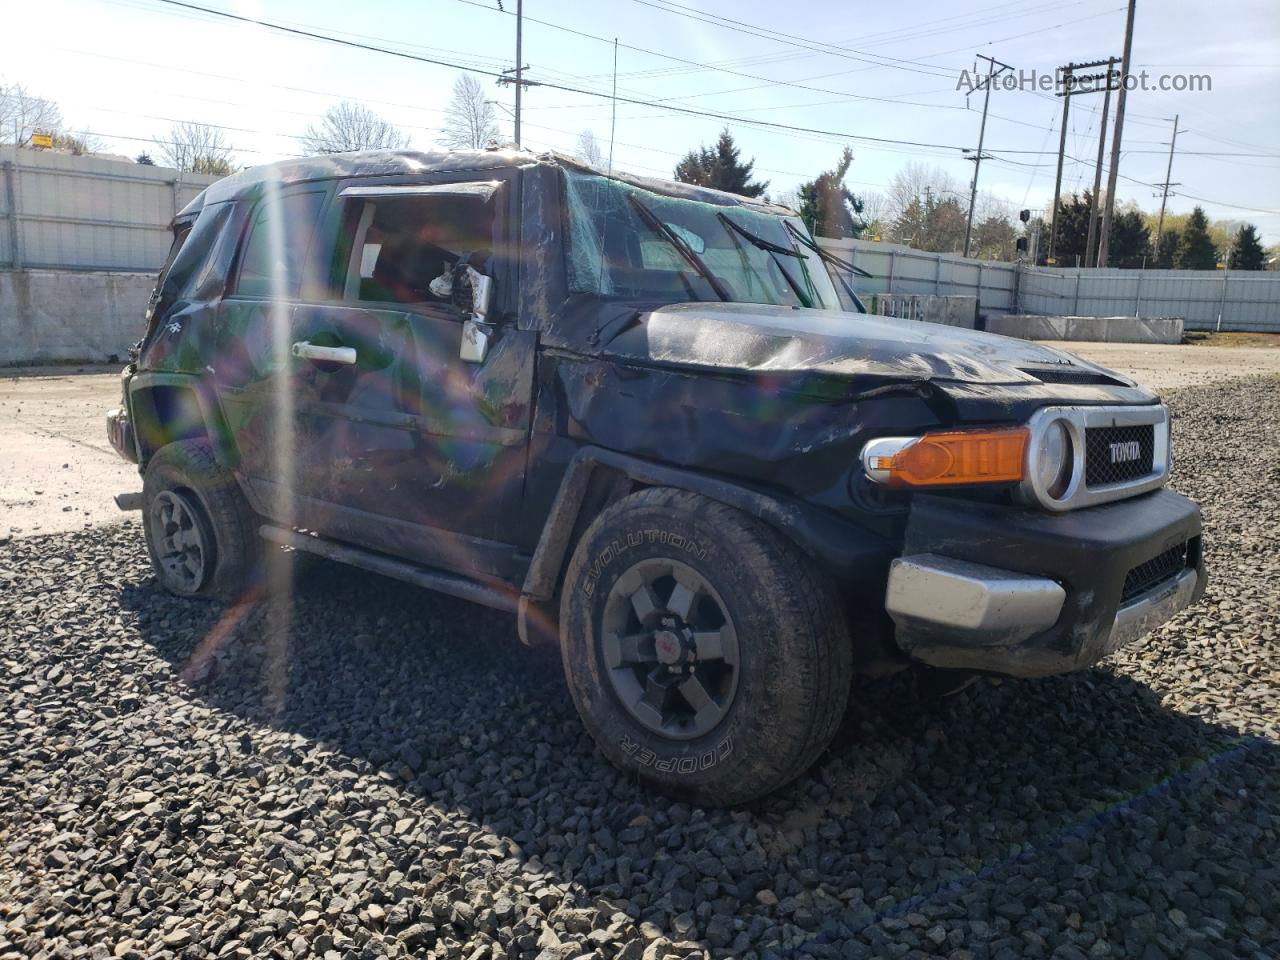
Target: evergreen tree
[
  {"x": 1166, "y": 254},
  {"x": 144, "y": 159},
  {"x": 1196, "y": 250},
  {"x": 828, "y": 207},
  {"x": 1130, "y": 240},
  {"x": 721, "y": 168},
  {"x": 1246, "y": 251},
  {"x": 994, "y": 239},
  {"x": 932, "y": 224},
  {"x": 1073, "y": 230}
]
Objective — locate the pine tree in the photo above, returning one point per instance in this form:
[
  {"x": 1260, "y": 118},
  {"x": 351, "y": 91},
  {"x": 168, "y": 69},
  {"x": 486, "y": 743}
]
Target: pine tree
[
  {"x": 1129, "y": 241},
  {"x": 1196, "y": 250},
  {"x": 827, "y": 206},
  {"x": 1246, "y": 251},
  {"x": 1073, "y": 230},
  {"x": 1166, "y": 254},
  {"x": 721, "y": 168}
]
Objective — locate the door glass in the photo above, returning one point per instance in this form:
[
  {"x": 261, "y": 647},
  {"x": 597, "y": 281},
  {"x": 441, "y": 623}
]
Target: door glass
[
  {"x": 402, "y": 249},
  {"x": 279, "y": 236}
]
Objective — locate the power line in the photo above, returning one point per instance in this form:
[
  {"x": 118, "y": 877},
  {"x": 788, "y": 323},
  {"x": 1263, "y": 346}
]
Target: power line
[
  {"x": 897, "y": 35},
  {"x": 792, "y": 40},
  {"x": 871, "y": 141},
  {"x": 313, "y": 35},
  {"x": 373, "y": 48},
  {"x": 737, "y": 73}
]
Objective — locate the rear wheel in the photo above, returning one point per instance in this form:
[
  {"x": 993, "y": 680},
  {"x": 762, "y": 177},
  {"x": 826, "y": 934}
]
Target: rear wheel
[
  {"x": 201, "y": 534},
  {"x": 704, "y": 653}
]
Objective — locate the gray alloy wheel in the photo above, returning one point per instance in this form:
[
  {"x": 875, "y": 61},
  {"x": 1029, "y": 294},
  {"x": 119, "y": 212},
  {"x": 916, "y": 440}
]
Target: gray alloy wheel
[
  {"x": 670, "y": 648},
  {"x": 707, "y": 656},
  {"x": 183, "y": 541}
]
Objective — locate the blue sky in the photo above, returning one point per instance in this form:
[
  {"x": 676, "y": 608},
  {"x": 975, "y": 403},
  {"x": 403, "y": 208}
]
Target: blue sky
[{"x": 126, "y": 68}]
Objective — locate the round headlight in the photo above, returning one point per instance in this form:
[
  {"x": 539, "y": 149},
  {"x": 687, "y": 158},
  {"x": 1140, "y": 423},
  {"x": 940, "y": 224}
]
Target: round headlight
[{"x": 1054, "y": 460}]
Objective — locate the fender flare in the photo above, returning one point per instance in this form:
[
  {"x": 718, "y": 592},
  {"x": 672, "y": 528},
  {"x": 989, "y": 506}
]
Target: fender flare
[
  {"x": 848, "y": 551},
  {"x": 215, "y": 425}
]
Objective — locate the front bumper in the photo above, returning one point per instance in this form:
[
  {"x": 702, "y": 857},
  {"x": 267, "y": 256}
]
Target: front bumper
[{"x": 1016, "y": 591}]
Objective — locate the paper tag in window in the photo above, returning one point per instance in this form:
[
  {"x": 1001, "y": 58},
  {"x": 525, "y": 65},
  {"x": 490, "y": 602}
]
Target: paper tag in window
[{"x": 369, "y": 259}]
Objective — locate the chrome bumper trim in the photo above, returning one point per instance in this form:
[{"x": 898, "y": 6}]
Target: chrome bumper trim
[
  {"x": 1137, "y": 619},
  {"x": 984, "y": 605}
]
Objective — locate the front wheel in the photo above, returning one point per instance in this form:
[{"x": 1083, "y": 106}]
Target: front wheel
[{"x": 704, "y": 653}]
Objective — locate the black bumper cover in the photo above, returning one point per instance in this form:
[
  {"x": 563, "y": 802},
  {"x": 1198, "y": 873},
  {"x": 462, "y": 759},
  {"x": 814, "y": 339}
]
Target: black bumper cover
[
  {"x": 120, "y": 433},
  {"x": 1089, "y": 552}
]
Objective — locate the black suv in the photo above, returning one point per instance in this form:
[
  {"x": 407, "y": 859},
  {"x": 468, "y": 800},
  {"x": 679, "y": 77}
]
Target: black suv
[{"x": 632, "y": 413}]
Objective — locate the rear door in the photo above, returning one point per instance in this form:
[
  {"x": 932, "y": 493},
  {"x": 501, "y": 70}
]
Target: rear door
[
  {"x": 397, "y": 444},
  {"x": 252, "y": 368}
]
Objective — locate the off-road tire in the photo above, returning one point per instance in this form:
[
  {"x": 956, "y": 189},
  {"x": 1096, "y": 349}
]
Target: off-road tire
[
  {"x": 794, "y": 648},
  {"x": 189, "y": 469}
]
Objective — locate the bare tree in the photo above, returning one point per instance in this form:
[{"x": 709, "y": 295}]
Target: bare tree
[
  {"x": 196, "y": 148},
  {"x": 875, "y": 213},
  {"x": 468, "y": 120},
  {"x": 352, "y": 126},
  {"x": 589, "y": 151},
  {"x": 22, "y": 114},
  {"x": 915, "y": 183}
]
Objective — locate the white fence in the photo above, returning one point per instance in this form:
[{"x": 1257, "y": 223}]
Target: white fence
[
  {"x": 1205, "y": 299},
  {"x": 85, "y": 213}
]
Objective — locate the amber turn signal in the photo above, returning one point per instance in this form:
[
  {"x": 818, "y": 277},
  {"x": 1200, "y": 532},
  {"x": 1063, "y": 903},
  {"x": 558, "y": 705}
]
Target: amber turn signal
[{"x": 949, "y": 458}]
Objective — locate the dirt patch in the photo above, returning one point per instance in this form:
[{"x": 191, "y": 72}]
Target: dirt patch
[
  {"x": 1171, "y": 366},
  {"x": 57, "y": 470},
  {"x": 1264, "y": 340}
]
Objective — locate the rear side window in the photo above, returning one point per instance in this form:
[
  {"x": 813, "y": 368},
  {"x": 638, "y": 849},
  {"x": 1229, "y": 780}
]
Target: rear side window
[
  {"x": 401, "y": 246},
  {"x": 196, "y": 267},
  {"x": 276, "y": 252}
]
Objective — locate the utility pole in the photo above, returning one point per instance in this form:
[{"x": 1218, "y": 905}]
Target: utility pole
[
  {"x": 1067, "y": 81},
  {"x": 1071, "y": 87},
  {"x": 1091, "y": 246},
  {"x": 992, "y": 73},
  {"x": 1109, "y": 209},
  {"x": 613, "y": 114},
  {"x": 1164, "y": 187},
  {"x": 520, "y": 66},
  {"x": 519, "y": 62}
]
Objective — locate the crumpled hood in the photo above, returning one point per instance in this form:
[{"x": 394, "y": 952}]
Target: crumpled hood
[{"x": 778, "y": 340}]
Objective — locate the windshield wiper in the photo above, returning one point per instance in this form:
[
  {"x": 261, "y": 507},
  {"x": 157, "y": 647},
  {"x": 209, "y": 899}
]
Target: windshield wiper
[
  {"x": 682, "y": 248},
  {"x": 827, "y": 257},
  {"x": 773, "y": 249}
]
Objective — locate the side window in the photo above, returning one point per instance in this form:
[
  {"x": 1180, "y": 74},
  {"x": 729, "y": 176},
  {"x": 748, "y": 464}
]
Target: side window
[
  {"x": 278, "y": 244},
  {"x": 402, "y": 248}
]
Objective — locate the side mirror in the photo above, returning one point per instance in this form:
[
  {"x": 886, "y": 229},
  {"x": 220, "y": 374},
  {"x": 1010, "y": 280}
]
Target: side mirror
[{"x": 476, "y": 331}]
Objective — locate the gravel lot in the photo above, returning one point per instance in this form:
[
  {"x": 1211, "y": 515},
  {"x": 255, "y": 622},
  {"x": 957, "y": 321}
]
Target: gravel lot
[{"x": 372, "y": 771}]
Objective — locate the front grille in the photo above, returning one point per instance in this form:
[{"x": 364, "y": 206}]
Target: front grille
[
  {"x": 1162, "y": 567},
  {"x": 1118, "y": 454}
]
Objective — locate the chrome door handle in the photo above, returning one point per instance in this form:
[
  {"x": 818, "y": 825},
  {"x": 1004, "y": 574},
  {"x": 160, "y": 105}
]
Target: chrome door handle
[{"x": 313, "y": 351}]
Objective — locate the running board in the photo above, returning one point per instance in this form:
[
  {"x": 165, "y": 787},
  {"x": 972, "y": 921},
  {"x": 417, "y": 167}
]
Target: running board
[{"x": 452, "y": 584}]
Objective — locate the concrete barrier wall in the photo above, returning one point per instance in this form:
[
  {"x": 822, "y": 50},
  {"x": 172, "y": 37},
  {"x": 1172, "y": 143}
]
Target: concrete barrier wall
[
  {"x": 1096, "y": 329},
  {"x": 54, "y": 315},
  {"x": 1205, "y": 299}
]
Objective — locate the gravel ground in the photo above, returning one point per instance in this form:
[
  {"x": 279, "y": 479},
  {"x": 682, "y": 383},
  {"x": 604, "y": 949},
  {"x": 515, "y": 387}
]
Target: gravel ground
[{"x": 399, "y": 777}]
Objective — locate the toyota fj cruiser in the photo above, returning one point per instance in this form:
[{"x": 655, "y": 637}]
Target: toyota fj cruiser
[{"x": 633, "y": 413}]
